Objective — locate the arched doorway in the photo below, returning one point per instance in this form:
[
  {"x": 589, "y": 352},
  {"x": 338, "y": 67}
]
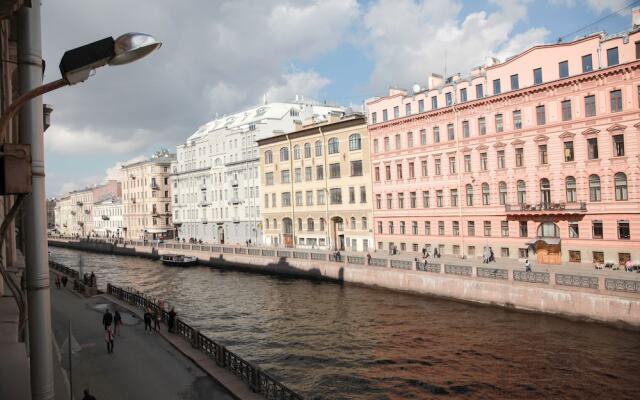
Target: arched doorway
[
  {"x": 221, "y": 235},
  {"x": 547, "y": 246},
  {"x": 337, "y": 233},
  {"x": 287, "y": 232}
]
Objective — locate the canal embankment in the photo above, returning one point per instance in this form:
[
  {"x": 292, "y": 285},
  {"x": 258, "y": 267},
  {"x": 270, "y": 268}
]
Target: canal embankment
[{"x": 609, "y": 299}]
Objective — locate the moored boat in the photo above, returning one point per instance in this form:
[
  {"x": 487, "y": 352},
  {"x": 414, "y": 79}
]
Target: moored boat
[{"x": 178, "y": 260}]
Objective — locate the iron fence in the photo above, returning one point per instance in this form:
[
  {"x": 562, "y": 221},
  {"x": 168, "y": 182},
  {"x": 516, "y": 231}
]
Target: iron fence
[
  {"x": 463, "y": 270},
  {"x": 492, "y": 273},
  {"x": 402, "y": 264},
  {"x": 429, "y": 267},
  {"x": 577, "y": 280}
]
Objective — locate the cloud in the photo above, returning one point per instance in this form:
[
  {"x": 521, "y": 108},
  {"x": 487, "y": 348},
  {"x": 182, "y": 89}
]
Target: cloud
[
  {"x": 433, "y": 36},
  {"x": 308, "y": 84},
  {"x": 62, "y": 139},
  {"x": 114, "y": 172},
  {"x": 596, "y": 5}
]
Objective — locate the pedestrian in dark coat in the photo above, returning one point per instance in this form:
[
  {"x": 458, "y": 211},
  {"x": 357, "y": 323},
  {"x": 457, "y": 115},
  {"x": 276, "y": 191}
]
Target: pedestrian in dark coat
[
  {"x": 172, "y": 319},
  {"x": 117, "y": 321},
  {"x": 147, "y": 321},
  {"x": 64, "y": 281},
  {"x": 107, "y": 319}
]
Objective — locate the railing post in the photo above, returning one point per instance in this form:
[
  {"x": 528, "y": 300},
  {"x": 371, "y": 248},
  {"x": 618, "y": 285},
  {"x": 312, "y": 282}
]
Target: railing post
[{"x": 254, "y": 380}]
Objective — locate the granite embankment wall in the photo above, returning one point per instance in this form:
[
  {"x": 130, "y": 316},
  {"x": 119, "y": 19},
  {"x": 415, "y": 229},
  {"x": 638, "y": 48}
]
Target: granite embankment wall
[{"x": 600, "y": 298}]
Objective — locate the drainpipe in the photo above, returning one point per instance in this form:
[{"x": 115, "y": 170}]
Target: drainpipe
[{"x": 35, "y": 214}]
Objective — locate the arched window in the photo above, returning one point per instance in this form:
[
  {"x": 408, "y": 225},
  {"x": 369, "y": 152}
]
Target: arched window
[
  {"x": 469, "y": 189},
  {"x": 268, "y": 158},
  {"x": 334, "y": 146},
  {"x": 318, "y": 148},
  {"x": 502, "y": 187},
  {"x": 621, "y": 186},
  {"x": 364, "y": 223},
  {"x": 355, "y": 142},
  {"x": 485, "y": 194},
  {"x": 307, "y": 150},
  {"x": 522, "y": 193},
  {"x": 570, "y": 185},
  {"x": 310, "y": 224},
  {"x": 275, "y": 223},
  {"x": 266, "y": 223},
  {"x": 322, "y": 224},
  {"x": 296, "y": 152},
  {"x": 287, "y": 226},
  {"x": 548, "y": 230},
  {"x": 299, "y": 224},
  {"x": 545, "y": 191},
  {"x": 353, "y": 222},
  {"x": 284, "y": 154},
  {"x": 594, "y": 188}
]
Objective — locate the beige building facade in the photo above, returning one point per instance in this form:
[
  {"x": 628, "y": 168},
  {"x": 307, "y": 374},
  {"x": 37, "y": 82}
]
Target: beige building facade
[
  {"x": 146, "y": 198},
  {"x": 316, "y": 186}
]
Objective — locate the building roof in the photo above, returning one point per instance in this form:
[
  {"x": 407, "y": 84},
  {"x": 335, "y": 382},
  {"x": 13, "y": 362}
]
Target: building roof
[{"x": 328, "y": 126}]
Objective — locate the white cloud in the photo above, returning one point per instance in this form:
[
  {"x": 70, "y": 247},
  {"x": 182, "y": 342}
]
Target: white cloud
[
  {"x": 409, "y": 41},
  {"x": 308, "y": 84},
  {"x": 596, "y": 5},
  {"x": 64, "y": 140},
  {"x": 114, "y": 172}
]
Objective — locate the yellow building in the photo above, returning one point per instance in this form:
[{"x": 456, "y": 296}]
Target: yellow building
[{"x": 316, "y": 186}]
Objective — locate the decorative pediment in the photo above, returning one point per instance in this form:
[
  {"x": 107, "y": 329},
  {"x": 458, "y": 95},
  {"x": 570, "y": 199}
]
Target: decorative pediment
[
  {"x": 466, "y": 149},
  {"x": 590, "y": 131},
  {"x": 567, "y": 135},
  {"x": 517, "y": 142},
  {"x": 482, "y": 147},
  {"x": 541, "y": 138},
  {"x": 499, "y": 145},
  {"x": 616, "y": 127}
]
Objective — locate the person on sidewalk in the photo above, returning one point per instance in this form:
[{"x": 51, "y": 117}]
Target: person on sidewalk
[
  {"x": 58, "y": 281},
  {"x": 527, "y": 265},
  {"x": 64, "y": 281},
  {"x": 107, "y": 319},
  {"x": 172, "y": 319},
  {"x": 87, "y": 395},
  {"x": 117, "y": 321},
  {"x": 156, "y": 320},
  {"x": 147, "y": 321},
  {"x": 108, "y": 337}
]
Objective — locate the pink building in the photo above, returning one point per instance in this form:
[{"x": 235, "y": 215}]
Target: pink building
[{"x": 539, "y": 152}]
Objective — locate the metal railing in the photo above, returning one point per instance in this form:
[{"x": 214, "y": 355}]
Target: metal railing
[
  {"x": 378, "y": 262},
  {"x": 464, "y": 270},
  {"x": 533, "y": 277},
  {"x": 429, "y": 267},
  {"x": 540, "y": 207},
  {"x": 622, "y": 285},
  {"x": 492, "y": 273},
  {"x": 258, "y": 380},
  {"x": 402, "y": 264},
  {"x": 577, "y": 280}
]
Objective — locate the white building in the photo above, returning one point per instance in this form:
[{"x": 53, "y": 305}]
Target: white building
[
  {"x": 216, "y": 182},
  {"x": 107, "y": 218},
  {"x": 63, "y": 216}
]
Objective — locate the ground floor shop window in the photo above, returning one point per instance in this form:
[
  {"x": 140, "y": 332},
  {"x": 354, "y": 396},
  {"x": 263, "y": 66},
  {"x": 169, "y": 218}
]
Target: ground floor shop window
[
  {"x": 598, "y": 257},
  {"x": 379, "y": 245},
  {"x": 403, "y": 246},
  {"x": 441, "y": 249},
  {"x": 414, "y": 247},
  {"x": 471, "y": 250},
  {"x": 623, "y": 258},
  {"x": 575, "y": 256},
  {"x": 504, "y": 252},
  {"x": 456, "y": 249},
  {"x": 523, "y": 253}
]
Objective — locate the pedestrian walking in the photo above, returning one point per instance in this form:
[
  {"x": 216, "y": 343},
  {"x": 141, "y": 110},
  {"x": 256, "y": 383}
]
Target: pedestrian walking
[
  {"x": 424, "y": 251},
  {"x": 492, "y": 256},
  {"x": 87, "y": 395},
  {"x": 58, "y": 281},
  {"x": 107, "y": 319},
  {"x": 527, "y": 265},
  {"x": 368, "y": 259},
  {"x": 108, "y": 337},
  {"x": 172, "y": 319},
  {"x": 64, "y": 281},
  {"x": 117, "y": 322},
  {"x": 486, "y": 254},
  {"x": 92, "y": 278},
  {"x": 156, "y": 320},
  {"x": 147, "y": 321}
]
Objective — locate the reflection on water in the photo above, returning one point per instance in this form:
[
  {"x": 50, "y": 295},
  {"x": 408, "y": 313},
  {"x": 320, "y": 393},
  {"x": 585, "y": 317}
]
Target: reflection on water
[{"x": 328, "y": 341}]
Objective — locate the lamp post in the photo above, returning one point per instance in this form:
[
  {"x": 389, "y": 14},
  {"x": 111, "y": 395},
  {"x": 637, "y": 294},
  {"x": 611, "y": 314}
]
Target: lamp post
[{"x": 75, "y": 67}]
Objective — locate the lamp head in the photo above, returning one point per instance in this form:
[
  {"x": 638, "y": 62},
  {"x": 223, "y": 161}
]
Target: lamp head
[{"x": 133, "y": 46}]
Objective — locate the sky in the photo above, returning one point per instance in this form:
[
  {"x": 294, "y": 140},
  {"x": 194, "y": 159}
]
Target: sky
[{"x": 219, "y": 57}]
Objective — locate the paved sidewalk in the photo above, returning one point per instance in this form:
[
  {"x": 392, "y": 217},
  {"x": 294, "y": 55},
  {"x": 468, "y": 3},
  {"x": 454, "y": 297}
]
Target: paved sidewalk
[{"x": 141, "y": 367}]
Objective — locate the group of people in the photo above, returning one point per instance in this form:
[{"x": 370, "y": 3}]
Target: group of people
[
  {"x": 488, "y": 256},
  {"x": 109, "y": 320},
  {"x": 61, "y": 281},
  {"x": 90, "y": 280},
  {"x": 426, "y": 254}
]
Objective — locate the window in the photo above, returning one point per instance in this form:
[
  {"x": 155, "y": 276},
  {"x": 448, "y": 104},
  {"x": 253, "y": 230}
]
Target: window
[
  {"x": 309, "y": 196},
  {"x": 496, "y": 86},
  {"x": 387, "y": 144},
  {"x": 465, "y": 129},
  {"x": 590, "y": 106},
  {"x": 387, "y": 172},
  {"x": 407, "y": 109},
  {"x": 455, "y": 228},
  {"x": 463, "y": 94},
  {"x": 389, "y": 201},
  {"x": 374, "y": 117},
  {"x": 356, "y": 168},
  {"x": 515, "y": 85},
  {"x": 502, "y": 189},
  {"x": 308, "y": 173},
  {"x": 398, "y": 171},
  {"x": 296, "y": 152},
  {"x": 447, "y": 98},
  {"x": 517, "y": 119},
  {"x": 364, "y": 223},
  {"x": 400, "y": 200},
  {"x": 499, "y": 125},
  {"x": 409, "y": 139},
  {"x": 574, "y": 230},
  {"x": 390, "y": 227},
  {"x": 413, "y": 200},
  {"x": 612, "y": 57},
  {"x": 504, "y": 229},
  {"x": 297, "y": 174},
  {"x": 575, "y": 256},
  {"x": 540, "y": 115},
  {"x": 427, "y": 228},
  {"x": 434, "y": 102},
  {"x": 319, "y": 172},
  {"x": 616, "y": 100},
  {"x": 420, "y": 105},
  {"x": 587, "y": 63},
  {"x": 598, "y": 257},
  {"x": 377, "y": 174},
  {"x": 425, "y": 199},
  {"x": 284, "y": 154},
  {"x": 568, "y": 151},
  {"x": 623, "y": 230},
  {"x": 566, "y": 110},
  {"x": 454, "y": 197},
  {"x": 543, "y": 155},
  {"x": 402, "y": 228},
  {"x": 467, "y": 163},
  {"x": 537, "y": 76},
  {"x": 379, "y": 227},
  {"x": 334, "y": 146},
  {"x": 471, "y": 228},
  {"x": 412, "y": 170},
  {"x": 450, "y": 132},
  {"x": 352, "y": 195},
  {"x": 592, "y": 148},
  {"x": 269, "y": 178},
  {"x": 441, "y": 228},
  {"x": 385, "y": 116},
  {"x": 523, "y": 229},
  {"x": 286, "y": 199},
  {"x": 487, "y": 228},
  {"x": 414, "y": 229},
  {"x": 437, "y": 165},
  {"x": 334, "y": 170},
  {"x": 436, "y": 134},
  {"x": 378, "y": 201},
  {"x": 396, "y": 112},
  {"x": 621, "y": 186},
  {"x": 425, "y": 168},
  {"x": 336, "y": 195},
  {"x": 298, "y": 199},
  {"x": 618, "y": 145},
  {"x": 355, "y": 142},
  {"x": 479, "y": 91},
  {"x": 452, "y": 165},
  {"x": 594, "y": 188},
  {"x": 439, "y": 199},
  {"x": 563, "y": 69},
  {"x": 423, "y": 137},
  {"x": 570, "y": 185},
  {"x": 307, "y": 150},
  {"x": 522, "y": 192},
  {"x": 484, "y": 162},
  {"x": 285, "y": 176},
  {"x": 623, "y": 258},
  {"x": 268, "y": 157},
  {"x": 398, "y": 142},
  {"x": 596, "y": 229},
  {"x": 501, "y": 161},
  {"x": 519, "y": 157},
  {"x": 485, "y": 194},
  {"x": 545, "y": 191},
  {"x": 482, "y": 126},
  {"x": 469, "y": 191}
]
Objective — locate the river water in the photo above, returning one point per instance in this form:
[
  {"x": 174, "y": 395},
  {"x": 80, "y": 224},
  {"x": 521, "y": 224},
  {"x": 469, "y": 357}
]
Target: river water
[{"x": 331, "y": 341}]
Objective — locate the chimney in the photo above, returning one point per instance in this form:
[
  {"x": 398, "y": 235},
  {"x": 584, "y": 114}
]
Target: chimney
[{"x": 635, "y": 18}]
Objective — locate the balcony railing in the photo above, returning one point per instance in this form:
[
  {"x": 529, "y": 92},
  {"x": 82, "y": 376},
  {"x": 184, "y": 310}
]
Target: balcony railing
[
  {"x": 203, "y": 187},
  {"x": 79, "y": 203},
  {"x": 234, "y": 182},
  {"x": 235, "y": 201},
  {"x": 204, "y": 203},
  {"x": 570, "y": 208},
  {"x": 105, "y": 217},
  {"x": 154, "y": 186}
]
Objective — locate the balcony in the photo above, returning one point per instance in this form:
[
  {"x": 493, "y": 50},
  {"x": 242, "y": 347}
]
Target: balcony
[
  {"x": 87, "y": 212},
  {"x": 235, "y": 220},
  {"x": 204, "y": 203},
  {"x": 203, "y": 186},
  {"x": 204, "y": 221},
  {"x": 105, "y": 217},
  {"x": 79, "y": 203},
  {"x": 73, "y": 213},
  {"x": 234, "y": 182},
  {"x": 235, "y": 201},
  {"x": 545, "y": 209},
  {"x": 154, "y": 186}
]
